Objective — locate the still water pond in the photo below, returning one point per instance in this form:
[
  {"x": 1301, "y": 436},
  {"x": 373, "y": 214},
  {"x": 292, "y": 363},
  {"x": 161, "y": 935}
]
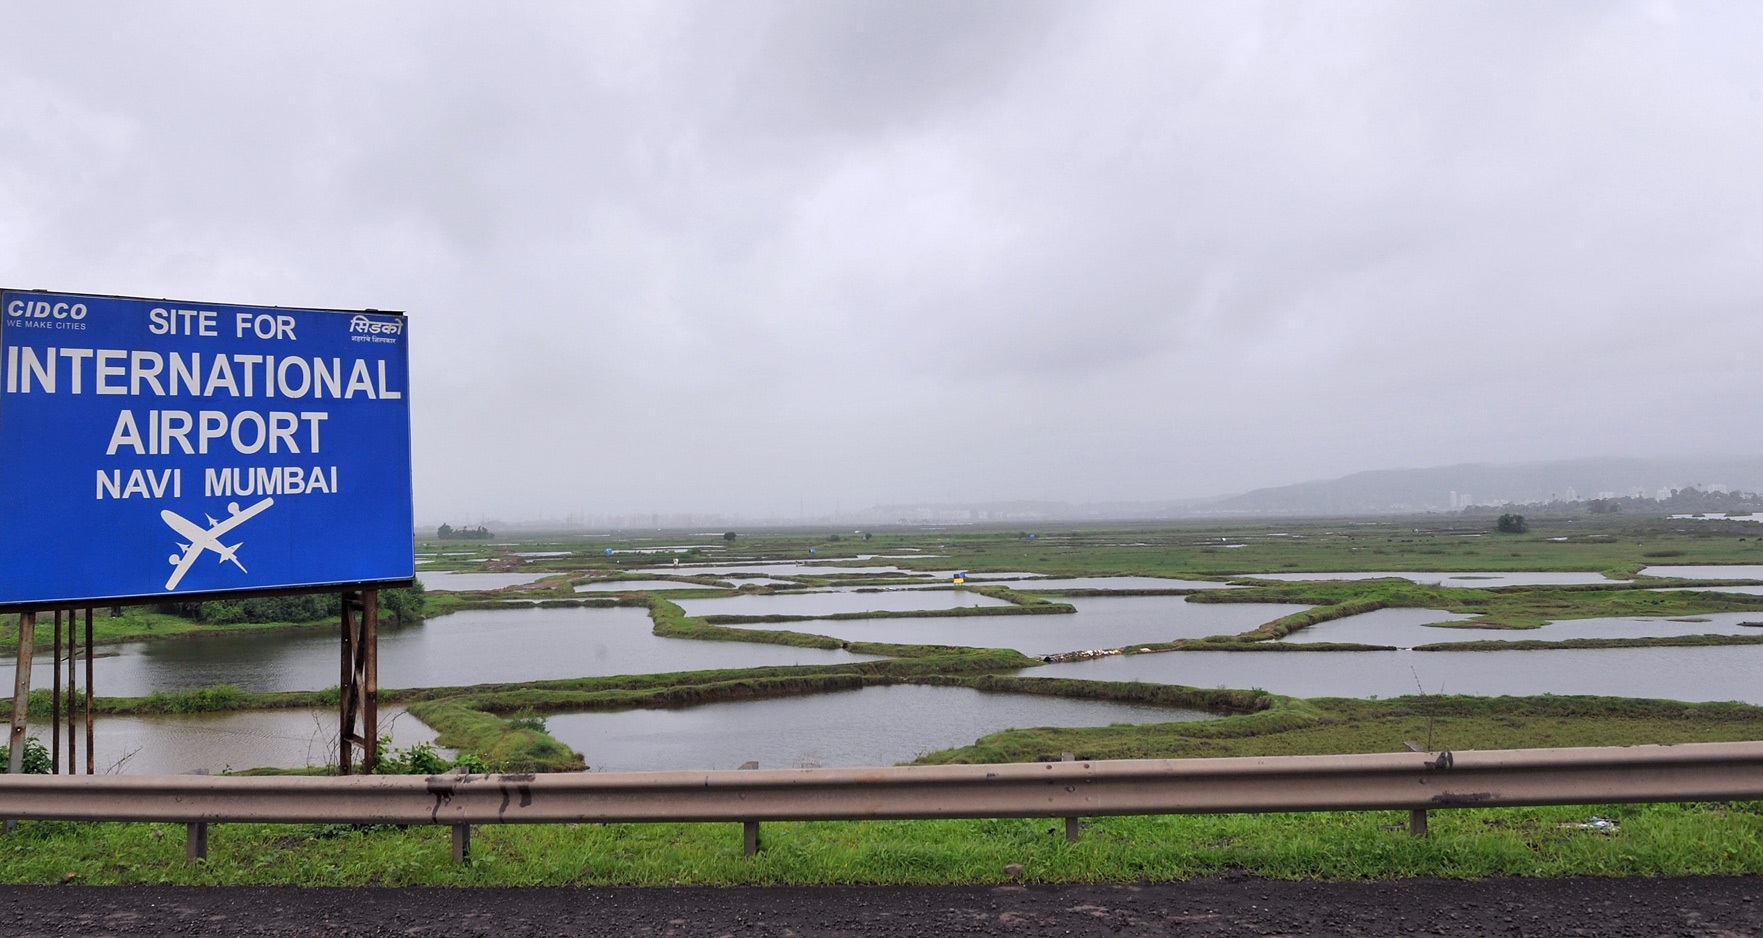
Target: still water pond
[
  {"x": 871, "y": 726},
  {"x": 833, "y": 602},
  {"x": 1481, "y": 580},
  {"x": 1405, "y": 628},
  {"x": 1709, "y": 572},
  {"x": 624, "y": 586},
  {"x": 1100, "y": 622},
  {"x": 1114, "y": 583},
  {"x": 470, "y": 647},
  {"x": 1709, "y": 673},
  {"x": 442, "y": 581},
  {"x": 179, "y": 744}
]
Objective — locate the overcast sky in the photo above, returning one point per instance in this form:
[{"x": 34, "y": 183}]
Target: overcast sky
[{"x": 767, "y": 258}]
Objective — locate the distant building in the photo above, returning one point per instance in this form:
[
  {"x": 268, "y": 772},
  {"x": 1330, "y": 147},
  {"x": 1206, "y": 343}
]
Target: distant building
[
  {"x": 1663, "y": 493},
  {"x": 1572, "y": 495}
]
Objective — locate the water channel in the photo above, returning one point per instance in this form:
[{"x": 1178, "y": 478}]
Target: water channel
[
  {"x": 625, "y": 586},
  {"x": 1694, "y": 674},
  {"x": 1100, "y": 622},
  {"x": 442, "y": 581},
  {"x": 872, "y": 726},
  {"x": 1114, "y": 583},
  {"x": 468, "y": 647},
  {"x": 1405, "y": 628},
  {"x": 1481, "y": 580},
  {"x": 833, "y": 602},
  {"x": 182, "y": 743}
]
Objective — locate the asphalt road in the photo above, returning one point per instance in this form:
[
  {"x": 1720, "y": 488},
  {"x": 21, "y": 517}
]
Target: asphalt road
[{"x": 1703, "y": 906}]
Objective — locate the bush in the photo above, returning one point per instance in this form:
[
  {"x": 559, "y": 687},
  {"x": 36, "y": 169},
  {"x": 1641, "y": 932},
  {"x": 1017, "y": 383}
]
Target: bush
[
  {"x": 420, "y": 759},
  {"x": 36, "y": 757},
  {"x": 1511, "y": 524}
]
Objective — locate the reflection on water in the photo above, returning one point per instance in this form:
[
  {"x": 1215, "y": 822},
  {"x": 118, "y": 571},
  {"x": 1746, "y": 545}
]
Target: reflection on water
[
  {"x": 442, "y": 581},
  {"x": 1116, "y": 583},
  {"x": 1100, "y": 622},
  {"x": 470, "y": 647},
  {"x": 625, "y": 586},
  {"x": 1405, "y": 628},
  {"x": 871, "y": 726},
  {"x": 179, "y": 744},
  {"x": 1481, "y": 580},
  {"x": 1694, "y": 674},
  {"x": 1709, "y": 572},
  {"x": 779, "y": 569},
  {"x": 832, "y": 602}
]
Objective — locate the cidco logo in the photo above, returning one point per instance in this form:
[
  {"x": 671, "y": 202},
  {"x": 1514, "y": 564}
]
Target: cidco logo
[{"x": 43, "y": 309}]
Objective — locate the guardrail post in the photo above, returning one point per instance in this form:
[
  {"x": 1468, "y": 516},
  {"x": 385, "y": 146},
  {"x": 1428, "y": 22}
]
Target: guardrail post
[
  {"x": 749, "y": 829},
  {"x": 1416, "y": 816},
  {"x": 462, "y": 843},
  {"x": 1073, "y": 830},
  {"x": 195, "y": 841}
]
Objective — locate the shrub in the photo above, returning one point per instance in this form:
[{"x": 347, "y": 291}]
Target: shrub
[{"x": 36, "y": 757}]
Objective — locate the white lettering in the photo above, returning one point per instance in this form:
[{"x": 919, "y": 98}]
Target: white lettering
[
  {"x": 282, "y": 425},
  {"x": 212, "y": 425},
  {"x": 358, "y": 379},
  {"x": 257, "y": 441},
  {"x": 107, "y": 371},
  {"x": 313, "y": 418},
  {"x": 331, "y": 378},
  {"x": 137, "y": 373},
  {"x": 190, "y": 375},
  {"x": 247, "y": 361},
  {"x": 220, "y": 374},
  {"x": 33, "y": 365},
  {"x": 386, "y": 395},
  {"x": 75, "y": 356},
  {"x": 289, "y": 389},
  {"x": 126, "y": 434},
  {"x": 175, "y": 425}
]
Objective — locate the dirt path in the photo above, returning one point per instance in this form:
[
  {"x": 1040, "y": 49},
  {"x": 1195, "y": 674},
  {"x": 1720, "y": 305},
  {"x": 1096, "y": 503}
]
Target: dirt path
[{"x": 1713, "y": 907}]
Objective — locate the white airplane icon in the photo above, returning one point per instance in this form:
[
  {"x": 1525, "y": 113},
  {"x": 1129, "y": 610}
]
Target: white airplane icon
[{"x": 201, "y": 540}]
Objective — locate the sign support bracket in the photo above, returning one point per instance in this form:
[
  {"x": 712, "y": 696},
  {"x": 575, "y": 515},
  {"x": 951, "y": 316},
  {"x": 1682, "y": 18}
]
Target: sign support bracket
[{"x": 358, "y": 691}]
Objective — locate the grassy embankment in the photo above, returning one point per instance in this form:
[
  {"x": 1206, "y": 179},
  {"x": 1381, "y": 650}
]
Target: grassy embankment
[
  {"x": 139, "y": 625},
  {"x": 1656, "y": 840},
  {"x": 1617, "y": 546},
  {"x": 1527, "y": 607},
  {"x": 1651, "y": 840}
]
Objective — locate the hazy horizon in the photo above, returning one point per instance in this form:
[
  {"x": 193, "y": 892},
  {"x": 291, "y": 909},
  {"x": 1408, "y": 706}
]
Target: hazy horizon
[{"x": 779, "y": 260}]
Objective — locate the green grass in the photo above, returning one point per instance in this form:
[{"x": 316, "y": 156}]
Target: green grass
[
  {"x": 487, "y": 720},
  {"x": 1292, "y": 726},
  {"x": 1659, "y": 840},
  {"x": 138, "y": 625}
]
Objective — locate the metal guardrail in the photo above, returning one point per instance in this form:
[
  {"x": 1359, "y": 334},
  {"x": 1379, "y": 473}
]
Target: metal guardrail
[{"x": 1415, "y": 781}]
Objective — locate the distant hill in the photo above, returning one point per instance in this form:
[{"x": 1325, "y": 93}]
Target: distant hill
[{"x": 1401, "y": 490}]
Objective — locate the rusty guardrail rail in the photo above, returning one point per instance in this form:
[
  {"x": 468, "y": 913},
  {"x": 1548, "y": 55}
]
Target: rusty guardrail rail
[{"x": 1415, "y": 781}]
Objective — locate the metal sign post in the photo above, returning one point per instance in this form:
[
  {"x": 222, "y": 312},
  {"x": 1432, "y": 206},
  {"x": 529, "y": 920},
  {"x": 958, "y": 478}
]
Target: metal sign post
[{"x": 359, "y": 690}]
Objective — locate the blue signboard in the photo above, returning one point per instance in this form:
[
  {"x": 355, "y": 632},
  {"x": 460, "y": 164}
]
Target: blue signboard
[{"x": 166, "y": 449}]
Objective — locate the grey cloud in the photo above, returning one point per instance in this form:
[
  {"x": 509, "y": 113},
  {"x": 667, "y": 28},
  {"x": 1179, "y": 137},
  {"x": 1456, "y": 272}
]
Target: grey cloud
[{"x": 748, "y": 257}]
